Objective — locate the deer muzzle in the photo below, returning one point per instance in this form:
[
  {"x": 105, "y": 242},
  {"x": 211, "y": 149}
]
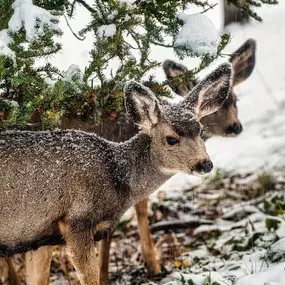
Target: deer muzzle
[{"x": 204, "y": 166}]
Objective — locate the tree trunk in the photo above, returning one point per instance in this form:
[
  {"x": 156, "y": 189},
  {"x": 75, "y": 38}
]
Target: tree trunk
[{"x": 233, "y": 14}]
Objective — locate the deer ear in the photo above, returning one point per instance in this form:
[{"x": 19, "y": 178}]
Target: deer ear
[
  {"x": 243, "y": 61},
  {"x": 141, "y": 105},
  {"x": 173, "y": 69},
  {"x": 210, "y": 94}
]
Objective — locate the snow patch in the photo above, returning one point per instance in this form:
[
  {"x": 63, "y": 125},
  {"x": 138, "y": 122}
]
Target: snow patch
[
  {"x": 5, "y": 40},
  {"x": 11, "y": 103},
  {"x": 106, "y": 31},
  {"x": 72, "y": 71},
  {"x": 198, "y": 33},
  {"x": 32, "y": 18}
]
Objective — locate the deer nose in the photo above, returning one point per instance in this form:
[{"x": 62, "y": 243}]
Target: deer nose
[
  {"x": 234, "y": 129},
  {"x": 204, "y": 166}
]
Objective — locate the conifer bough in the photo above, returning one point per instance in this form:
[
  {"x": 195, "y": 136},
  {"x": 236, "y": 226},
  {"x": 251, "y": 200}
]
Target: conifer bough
[{"x": 124, "y": 32}]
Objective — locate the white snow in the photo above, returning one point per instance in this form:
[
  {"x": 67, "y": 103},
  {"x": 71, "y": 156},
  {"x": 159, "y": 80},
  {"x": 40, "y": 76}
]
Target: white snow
[
  {"x": 199, "y": 279},
  {"x": 106, "y": 31},
  {"x": 128, "y": 1},
  {"x": 198, "y": 33},
  {"x": 71, "y": 72},
  {"x": 279, "y": 246},
  {"x": 12, "y": 103},
  {"x": 30, "y": 17},
  {"x": 247, "y": 267},
  {"x": 5, "y": 40},
  {"x": 26, "y": 15}
]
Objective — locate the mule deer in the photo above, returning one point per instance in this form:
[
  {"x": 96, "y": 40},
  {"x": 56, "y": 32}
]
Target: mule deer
[
  {"x": 72, "y": 187},
  {"x": 218, "y": 123},
  {"x": 223, "y": 122}
]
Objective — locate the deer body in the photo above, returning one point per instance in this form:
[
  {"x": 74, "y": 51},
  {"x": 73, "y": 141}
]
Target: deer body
[
  {"x": 72, "y": 186},
  {"x": 224, "y": 122},
  {"x": 72, "y": 176}
]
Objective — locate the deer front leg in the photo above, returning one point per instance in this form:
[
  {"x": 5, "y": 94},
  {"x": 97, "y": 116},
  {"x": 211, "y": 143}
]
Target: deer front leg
[
  {"x": 104, "y": 258},
  {"x": 13, "y": 277},
  {"x": 147, "y": 244},
  {"x": 38, "y": 266},
  {"x": 82, "y": 252}
]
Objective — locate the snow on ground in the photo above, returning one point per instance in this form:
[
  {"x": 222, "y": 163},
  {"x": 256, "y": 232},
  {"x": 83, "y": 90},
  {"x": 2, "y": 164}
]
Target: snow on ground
[{"x": 256, "y": 259}]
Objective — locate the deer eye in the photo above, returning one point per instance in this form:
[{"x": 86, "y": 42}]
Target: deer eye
[{"x": 172, "y": 140}]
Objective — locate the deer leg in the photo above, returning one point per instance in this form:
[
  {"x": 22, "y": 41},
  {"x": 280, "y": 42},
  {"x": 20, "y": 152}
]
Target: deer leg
[
  {"x": 4, "y": 271},
  {"x": 104, "y": 257},
  {"x": 147, "y": 244},
  {"x": 82, "y": 252},
  {"x": 38, "y": 266},
  {"x": 13, "y": 277}
]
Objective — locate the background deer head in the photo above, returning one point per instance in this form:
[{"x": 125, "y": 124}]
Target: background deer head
[{"x": 225, "y": 121}]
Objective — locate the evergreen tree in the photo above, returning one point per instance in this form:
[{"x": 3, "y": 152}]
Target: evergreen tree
[{"x": 121, "y": 30}]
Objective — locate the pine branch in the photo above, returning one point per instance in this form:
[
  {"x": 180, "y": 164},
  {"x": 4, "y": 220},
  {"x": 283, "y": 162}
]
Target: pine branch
[
  {"x": 88, "y": 7},
  {"x": 66, "y": 20}
]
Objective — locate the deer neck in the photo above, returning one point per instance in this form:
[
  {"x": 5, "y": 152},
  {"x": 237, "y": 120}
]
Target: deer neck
[{"x": 138, "y": 167}]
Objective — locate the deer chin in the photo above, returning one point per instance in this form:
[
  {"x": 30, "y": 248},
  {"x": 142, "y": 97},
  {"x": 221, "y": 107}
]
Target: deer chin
[
  {"x": 231, "y": 135},
  {"x": 197, "y": 173},
  {"x": 172, "y": 171}
]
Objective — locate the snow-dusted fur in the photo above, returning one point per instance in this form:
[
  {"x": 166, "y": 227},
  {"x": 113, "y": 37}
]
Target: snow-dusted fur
[{"x": 70, "y": 186}]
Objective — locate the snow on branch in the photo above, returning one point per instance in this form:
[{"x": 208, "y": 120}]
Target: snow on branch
[
  {"x": 198, "y": 34},
  {"x": 29, "y": 17},
  {"x": 5, "y": 40},
  {"x": 32, "y": 18},
  {"x": 106, "y": 31}
]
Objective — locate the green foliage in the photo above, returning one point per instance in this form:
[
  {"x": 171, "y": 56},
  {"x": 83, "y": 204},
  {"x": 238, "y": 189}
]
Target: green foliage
[
  {"x": 122, "y": 225},
  {"x": 272, "y": 224},
  {"x": 275, "y": 205},
  {"x": 97, "y": 92}
]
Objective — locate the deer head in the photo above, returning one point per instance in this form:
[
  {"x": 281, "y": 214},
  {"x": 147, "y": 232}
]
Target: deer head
[
  {"x": 225, "y": 121},
  {"x": 174, "y": 130}
]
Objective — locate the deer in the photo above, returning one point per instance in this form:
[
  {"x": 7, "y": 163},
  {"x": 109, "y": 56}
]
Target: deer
[
  {"x": 71, "y": 187},
  {"x": 223, "y": 122}
]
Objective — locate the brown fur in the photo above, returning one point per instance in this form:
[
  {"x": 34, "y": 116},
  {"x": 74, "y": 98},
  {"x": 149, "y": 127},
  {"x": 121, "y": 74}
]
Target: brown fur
[
  {"x": 57, "y": 207},
  {"x": 85, "y": 261},
  {"x": 147, "y": 245},
  {"x": 104, "y": 256},
  {"x": 34, "y": 259}
]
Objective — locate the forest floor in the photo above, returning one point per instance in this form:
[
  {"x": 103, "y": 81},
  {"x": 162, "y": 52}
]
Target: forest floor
[{"x": 228, "y": 230}]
